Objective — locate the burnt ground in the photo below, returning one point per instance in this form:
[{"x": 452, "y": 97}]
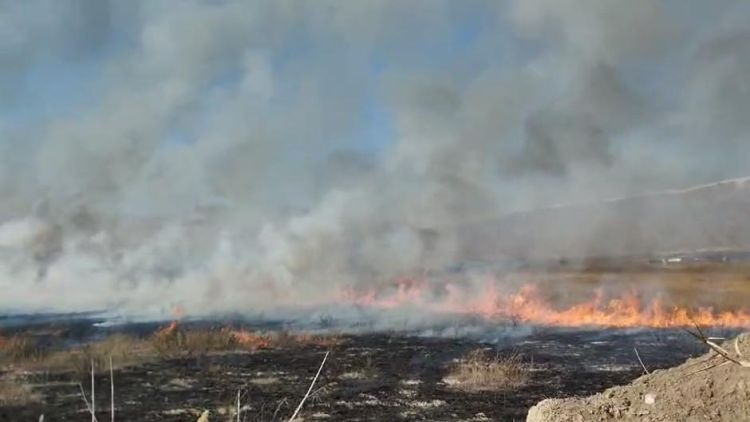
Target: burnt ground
[{"x": 383, "y": 377}]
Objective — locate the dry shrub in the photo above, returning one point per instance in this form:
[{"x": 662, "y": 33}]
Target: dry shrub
[
  {"x": 174, "y": 341},
  {"x": 20, "y": 348},
  {"x": 249, "y": 340},
  {"x": 168, "y": 341},
  {"x": 327, "y": 341},
  {"x": 124, "y": 351},
  {"x": 199, "y": 342},
  {"x": 480, "y": 372},
  {"x": 285, "y": 339}
]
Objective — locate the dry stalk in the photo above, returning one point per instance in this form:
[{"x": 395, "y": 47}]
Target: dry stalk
[
  {"x": 281, "y": 402},
  {"x": 709, "y": 341},
  {"x": 299, "y": 407},
  {"x": 93, "y": 392},
  {"x": 639, "y": 360},
  {"x": 111, "y": 390},
  {"x": 88, "y": 406},
  {"x": 720, "y": 351},
  {"x": 238, "y": 405}
]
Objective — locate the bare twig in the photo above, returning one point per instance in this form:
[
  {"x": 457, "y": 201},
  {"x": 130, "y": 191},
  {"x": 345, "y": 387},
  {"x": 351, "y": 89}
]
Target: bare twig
[
  {"x": 111, "y": 390},
  {"x": 88, "y": 406},
  {"x": 299, "y": 407},
  {"x": 639, "y": 360},
  {"x": 283, "y": 401},
  {"x": 317, "y": 390},
  {"x": 709, "y": 341}
]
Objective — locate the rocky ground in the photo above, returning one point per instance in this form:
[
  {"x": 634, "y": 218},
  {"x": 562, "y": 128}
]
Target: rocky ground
[{"x": 386, "y": 376}]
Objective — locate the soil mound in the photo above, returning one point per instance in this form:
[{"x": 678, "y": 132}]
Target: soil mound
[{"x": 707, "y": 388}]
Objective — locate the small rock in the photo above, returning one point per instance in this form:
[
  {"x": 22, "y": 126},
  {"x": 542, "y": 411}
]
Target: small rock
[
  {"x": 649, "y": 398},
  {"x": 204, "y": 416}
]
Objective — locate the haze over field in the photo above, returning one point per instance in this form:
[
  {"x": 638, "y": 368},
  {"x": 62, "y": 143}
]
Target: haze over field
[{"x": 236, "y": 155}]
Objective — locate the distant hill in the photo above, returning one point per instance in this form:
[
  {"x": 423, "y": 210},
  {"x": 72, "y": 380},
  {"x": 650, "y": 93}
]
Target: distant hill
[{"x": 711, "y": 216}]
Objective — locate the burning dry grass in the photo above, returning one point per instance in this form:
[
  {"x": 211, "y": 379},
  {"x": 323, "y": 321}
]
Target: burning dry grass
[
  {"x": 480, "y": 372},
  {"x": 174, "y": 341},
  {"x": 657, "y": 299},
  {"x": 26, "y": 353}
]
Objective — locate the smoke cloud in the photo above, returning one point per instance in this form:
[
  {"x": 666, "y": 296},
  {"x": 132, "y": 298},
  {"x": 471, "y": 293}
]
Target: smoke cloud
[{"x": 240, "y": 156}]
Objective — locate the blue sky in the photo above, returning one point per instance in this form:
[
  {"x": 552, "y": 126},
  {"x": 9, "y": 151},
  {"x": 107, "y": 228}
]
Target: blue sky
[{"x": 55, "y": 86}]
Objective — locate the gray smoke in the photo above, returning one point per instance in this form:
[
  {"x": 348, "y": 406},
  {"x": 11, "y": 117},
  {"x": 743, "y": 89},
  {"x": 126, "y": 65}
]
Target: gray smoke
[{"x": 213, "y": 158}]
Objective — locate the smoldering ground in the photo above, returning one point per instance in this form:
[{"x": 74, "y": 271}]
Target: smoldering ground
[{"x": 227, "y": 156}]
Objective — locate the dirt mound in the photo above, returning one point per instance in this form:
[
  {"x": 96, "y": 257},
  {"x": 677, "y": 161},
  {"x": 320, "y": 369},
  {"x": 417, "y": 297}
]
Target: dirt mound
[{"x": 701, "y": 389}]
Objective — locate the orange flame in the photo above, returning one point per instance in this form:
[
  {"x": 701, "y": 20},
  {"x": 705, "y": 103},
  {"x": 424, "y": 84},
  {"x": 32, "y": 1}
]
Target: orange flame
[
  {"x": 254, "y": 341},
  {"x": 251, "y": 340},
  {"x": 168, "y": 330},
  {"x": 527, "y": 305}
]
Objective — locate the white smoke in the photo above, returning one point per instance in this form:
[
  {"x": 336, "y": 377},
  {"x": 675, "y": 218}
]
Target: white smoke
[{"x": 209, "y": 164}]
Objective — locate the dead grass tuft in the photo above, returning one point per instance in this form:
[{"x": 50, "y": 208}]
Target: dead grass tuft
[
  {"x": 480, "y": 372},
  {"x": 172, "y": 340},
  {"x": 168, "y": 341},
  {"x": 200, "y": 342},
  {"x": 13, "y": 393},
  {"x": 24, "y": 351},
  {"x": 124, "y": 350},
  {"x": 285, "y": 339},
  {"x": 20, "y": 348},
  {"x": 249, "y": 340}
]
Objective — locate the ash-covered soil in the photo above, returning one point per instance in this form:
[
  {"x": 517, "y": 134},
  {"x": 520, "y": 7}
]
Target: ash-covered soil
[
  {"x": 707, "y": 388},
  {"x": 380, "y": 377}
]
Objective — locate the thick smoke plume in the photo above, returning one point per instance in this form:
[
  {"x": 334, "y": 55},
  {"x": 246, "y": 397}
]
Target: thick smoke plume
[{"x": 237, "y": 155}]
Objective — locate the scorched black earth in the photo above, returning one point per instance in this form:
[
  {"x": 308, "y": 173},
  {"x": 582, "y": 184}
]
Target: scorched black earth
[{"x": 374, "y": 377}]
